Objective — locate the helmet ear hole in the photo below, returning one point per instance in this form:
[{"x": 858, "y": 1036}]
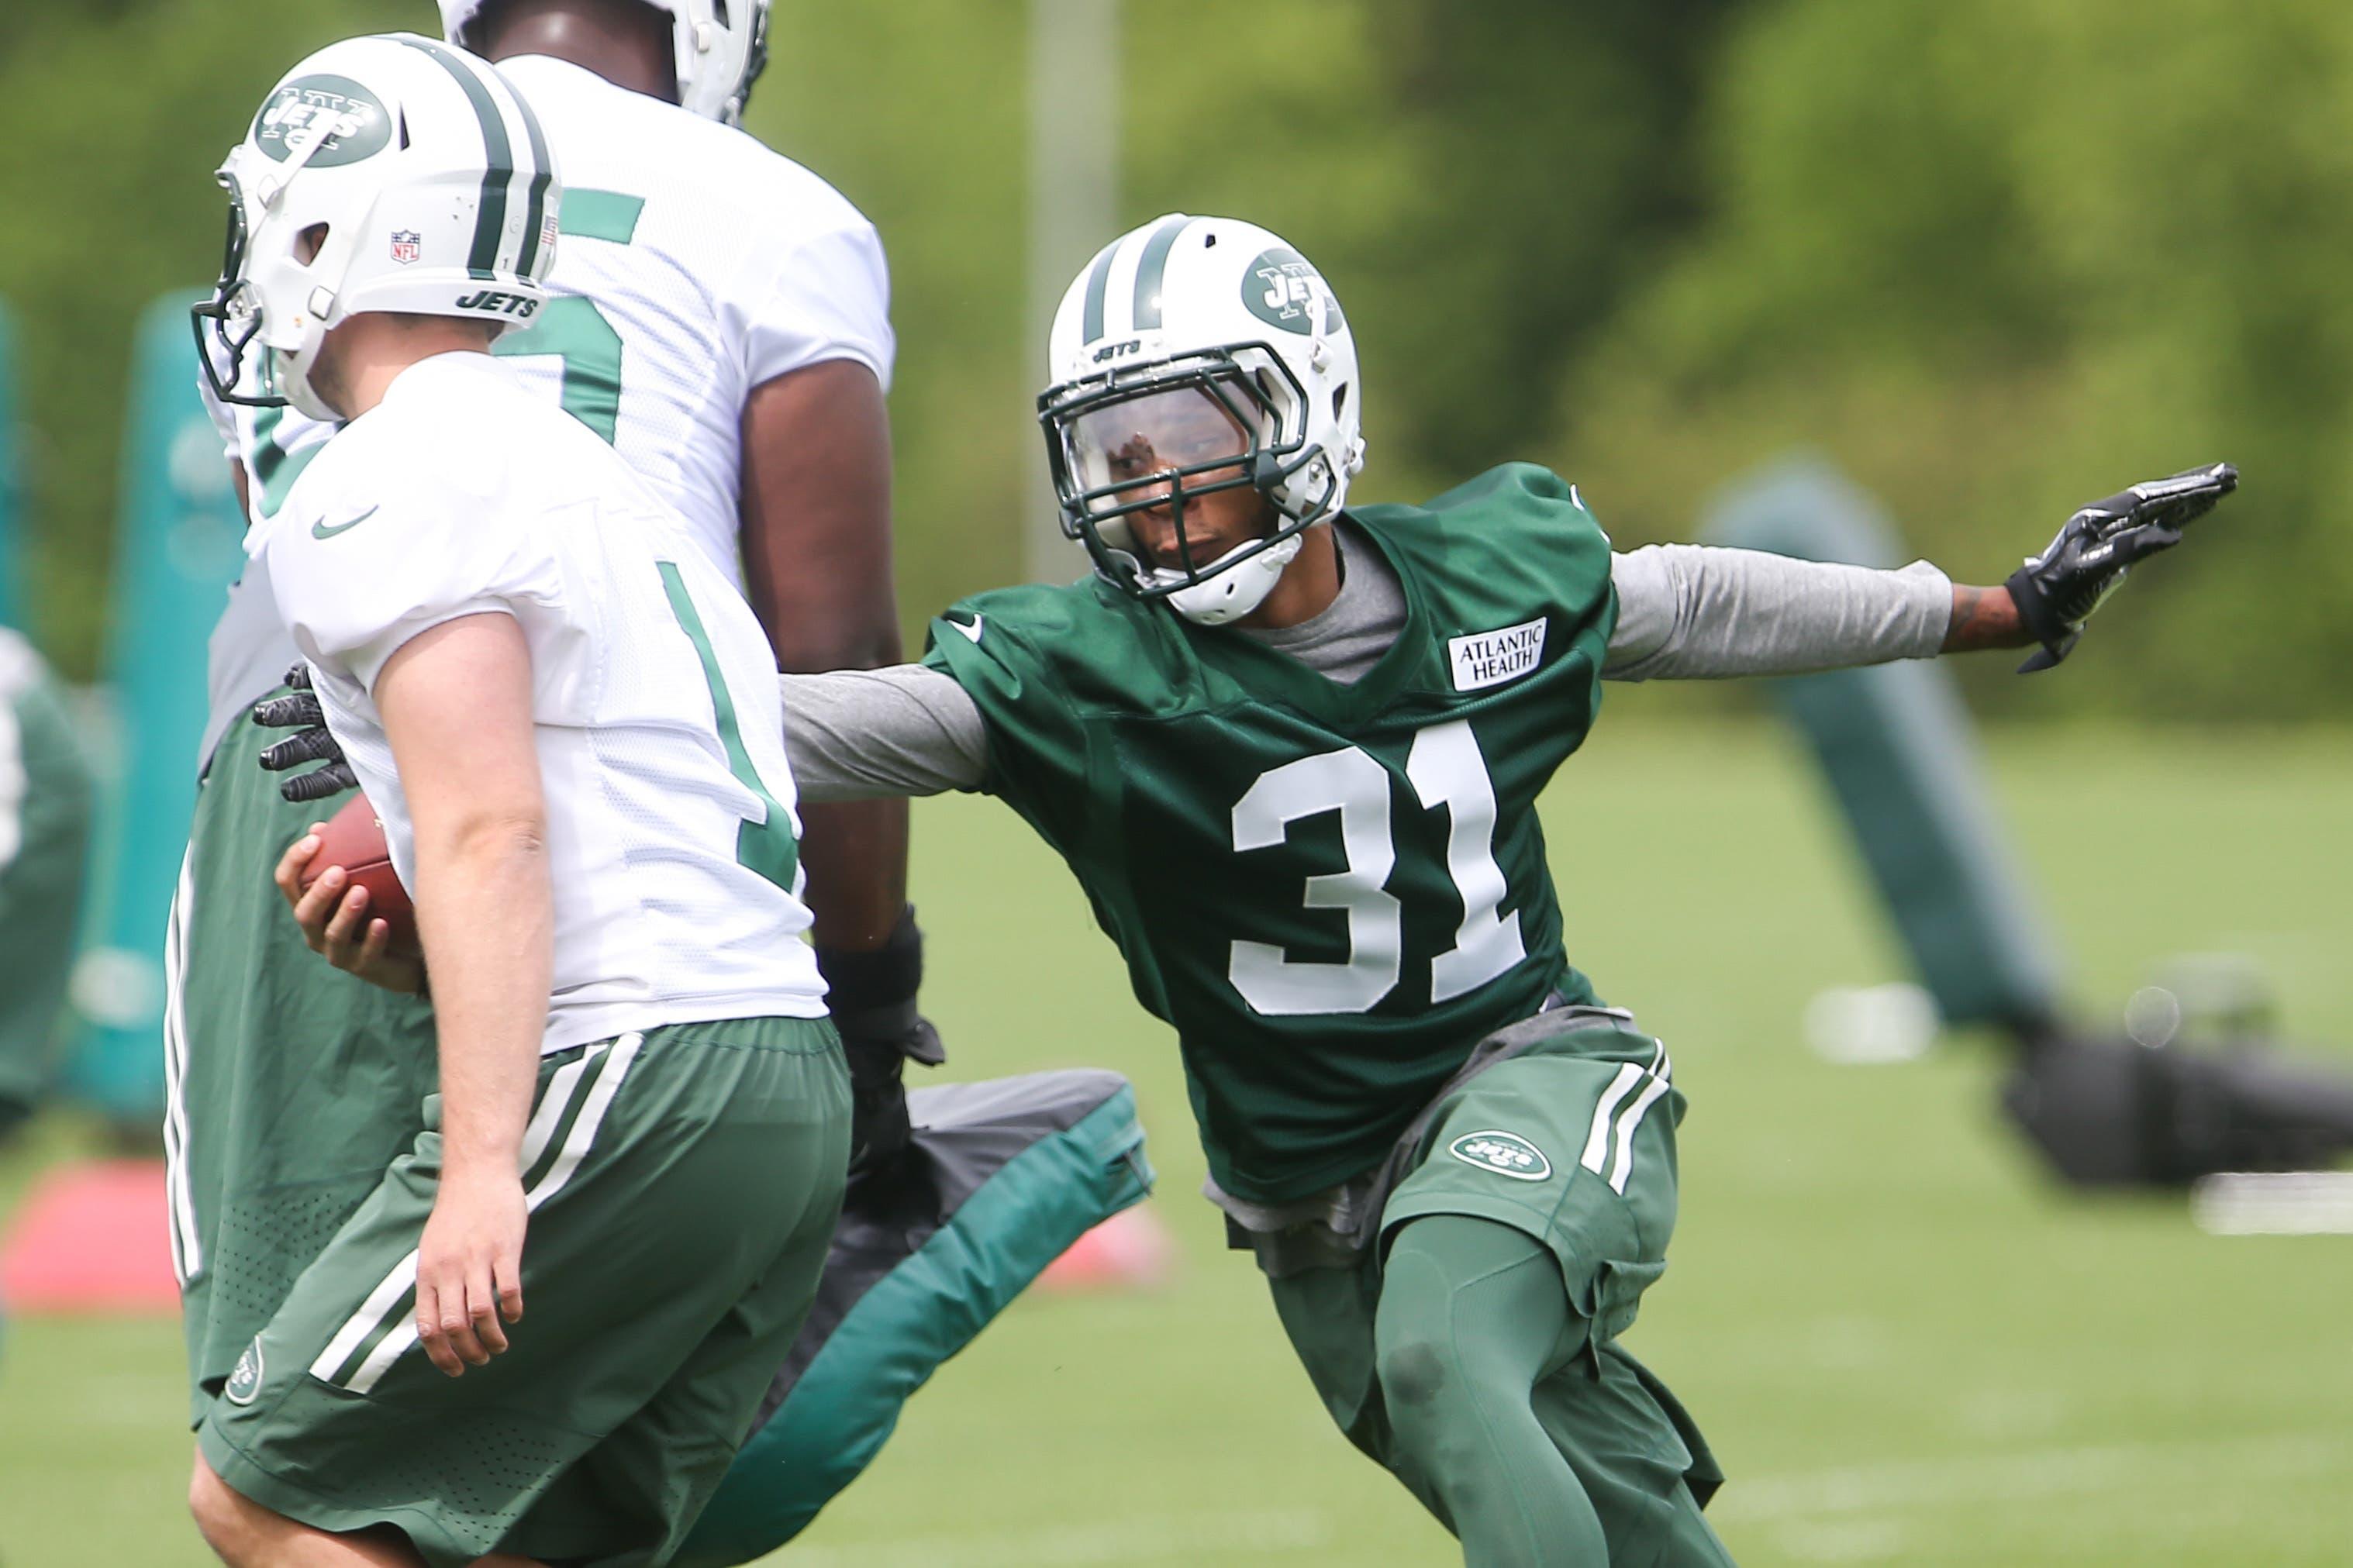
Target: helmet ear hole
[
  {"x": 310, "y": 242},
  {"x": 1340, "y": 401}
]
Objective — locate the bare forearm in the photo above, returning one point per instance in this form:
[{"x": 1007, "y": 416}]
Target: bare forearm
[
  {"x": 486, "y": 913},
  {"x": 817, "y": 566},
  {"x": 856, "y": 852},
  {"x": 1984, "y": 618}
]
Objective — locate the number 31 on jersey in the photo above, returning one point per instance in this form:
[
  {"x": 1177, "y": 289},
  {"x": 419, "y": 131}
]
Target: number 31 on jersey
[{"x": 1445, "y": 769}]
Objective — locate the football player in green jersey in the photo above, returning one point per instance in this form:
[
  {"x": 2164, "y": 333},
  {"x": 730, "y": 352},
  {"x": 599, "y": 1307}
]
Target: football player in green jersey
[{"x": 1292, "y": 750}]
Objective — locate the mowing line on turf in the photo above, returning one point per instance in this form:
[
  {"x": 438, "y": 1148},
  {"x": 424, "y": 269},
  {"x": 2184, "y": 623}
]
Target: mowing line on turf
[
  {"x": 2044, "y": 1472},
  {"x": 1168, "y": 1537}
]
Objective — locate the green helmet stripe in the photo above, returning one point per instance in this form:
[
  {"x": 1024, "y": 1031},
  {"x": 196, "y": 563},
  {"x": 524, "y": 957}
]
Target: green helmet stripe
[
  {"x": 1152, "y": 268},
  {"x": 535, "y": 215},
  {"x": 1098, "y": 285},
  {"x": 491, "y": 222}
]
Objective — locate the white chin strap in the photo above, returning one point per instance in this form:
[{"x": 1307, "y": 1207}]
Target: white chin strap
[
  {"x": 292, "y": 374},
  {"x": 1231, "y": 591}
]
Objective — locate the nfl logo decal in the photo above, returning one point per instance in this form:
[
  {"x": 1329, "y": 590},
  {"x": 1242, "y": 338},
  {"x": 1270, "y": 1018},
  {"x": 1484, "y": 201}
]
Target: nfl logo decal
[{"x": 407, "y": 245}]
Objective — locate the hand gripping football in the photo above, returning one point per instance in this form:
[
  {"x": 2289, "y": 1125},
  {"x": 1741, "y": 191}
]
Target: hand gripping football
[{"x": 354, "y": 839}]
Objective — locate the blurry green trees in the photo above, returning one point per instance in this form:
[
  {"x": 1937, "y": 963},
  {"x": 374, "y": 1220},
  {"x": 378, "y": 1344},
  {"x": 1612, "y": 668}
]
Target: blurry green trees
[
  {"x": 1998, "y": 259},
  {"x": 1994, "y": 258},
  {"x": 113, "y": 114}
]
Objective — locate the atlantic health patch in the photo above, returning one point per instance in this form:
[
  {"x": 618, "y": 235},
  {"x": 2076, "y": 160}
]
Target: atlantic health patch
[{"x": 1490, "y": 658}]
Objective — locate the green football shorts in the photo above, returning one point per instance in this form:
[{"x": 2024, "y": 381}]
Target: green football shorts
[
  {"x": 1571, "y": 1142},
  {"x": 683, "y": 1184},
  {"x": 292, "y": 1084}
]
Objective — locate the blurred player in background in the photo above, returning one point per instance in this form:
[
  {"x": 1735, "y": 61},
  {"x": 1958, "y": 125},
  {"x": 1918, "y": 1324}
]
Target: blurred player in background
[
  {"x": 1293, "y": 752},
  {"x": 45, "y": 805},
  {"x": 721, "y": 318},
  {"x": 564, "y": 713}
]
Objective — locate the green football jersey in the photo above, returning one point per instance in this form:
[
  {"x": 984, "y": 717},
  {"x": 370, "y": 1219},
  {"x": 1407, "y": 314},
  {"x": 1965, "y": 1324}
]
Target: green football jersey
[{"x": 1331, "y": 892}]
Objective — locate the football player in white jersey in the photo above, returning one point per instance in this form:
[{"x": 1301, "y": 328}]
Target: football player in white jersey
[
  {"x": 564, "y": 714},
  {"x": 721, "y": 318},
  {"x": 657, "y": 325}
]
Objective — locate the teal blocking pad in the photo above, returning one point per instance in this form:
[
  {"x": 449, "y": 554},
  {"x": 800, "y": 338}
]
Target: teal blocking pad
[{"x": 846, "y": 1404}]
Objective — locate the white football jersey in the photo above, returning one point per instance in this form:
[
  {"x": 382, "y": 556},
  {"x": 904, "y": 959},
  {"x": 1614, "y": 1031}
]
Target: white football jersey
[
  {"x": 671, "y": 836},
  {"x": 693, "y": 264}
]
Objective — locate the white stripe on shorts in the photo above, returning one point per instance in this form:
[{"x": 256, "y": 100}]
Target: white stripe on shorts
[
  {"x": 552, "y": 1106},
  {"x": 1602, "y": 1135},
  {"x": 367, "y": 1320},
  {"x": 1623, "y": 1165},
  {"x": 1597, "y": 1141},
  {"x": 609, "y": 1073},
  {"x": 187, "y": 1249}
]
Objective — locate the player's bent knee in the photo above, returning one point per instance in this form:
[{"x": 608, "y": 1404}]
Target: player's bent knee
[
  {"x": 221, "y": 1514},
  {"x": 241, "y": 1531},
  {"x": 1427, "y": 1391},
  {"x": 1413, "y": 1370}
]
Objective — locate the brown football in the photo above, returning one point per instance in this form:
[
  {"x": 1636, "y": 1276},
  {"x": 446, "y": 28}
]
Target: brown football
[{"x": 354, "y": 839}]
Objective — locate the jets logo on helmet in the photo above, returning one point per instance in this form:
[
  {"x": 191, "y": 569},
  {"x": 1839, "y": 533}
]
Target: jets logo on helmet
[
  {"x": 1288, "y": 292},
  {"x": 345, "y": 118},
  {"x": 388, "y": 174},
  {"x": 721, "y": 47},
  {"x": 1193, "y": 355}
]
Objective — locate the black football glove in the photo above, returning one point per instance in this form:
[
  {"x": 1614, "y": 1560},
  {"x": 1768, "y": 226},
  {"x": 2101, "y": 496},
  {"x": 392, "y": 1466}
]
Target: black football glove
[
  {"x": 872, "y": 996},
  {"x": 2057, "y": 591},
  {"x": 311, "y": 743}
]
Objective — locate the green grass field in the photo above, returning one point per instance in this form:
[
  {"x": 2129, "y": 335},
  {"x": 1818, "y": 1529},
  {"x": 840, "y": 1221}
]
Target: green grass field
[{"x": 1905, "y": 1345}]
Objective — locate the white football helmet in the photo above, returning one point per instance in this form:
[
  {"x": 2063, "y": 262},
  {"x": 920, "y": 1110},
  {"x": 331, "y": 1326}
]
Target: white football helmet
[
  {"x": 722, "y": 47},
  {"x": 1196, "y": 354},
  {"x": 435, "y": 187}
]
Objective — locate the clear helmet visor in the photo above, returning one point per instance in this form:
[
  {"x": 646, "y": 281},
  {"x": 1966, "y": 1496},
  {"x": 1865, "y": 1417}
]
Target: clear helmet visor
[{"x": 1139, "y": 447}]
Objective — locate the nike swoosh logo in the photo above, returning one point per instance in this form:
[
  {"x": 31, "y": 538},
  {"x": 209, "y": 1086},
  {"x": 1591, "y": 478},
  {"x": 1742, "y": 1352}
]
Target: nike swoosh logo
[
  {"x": 320, "y": 530},
  {"x": 972, "y": 631}
]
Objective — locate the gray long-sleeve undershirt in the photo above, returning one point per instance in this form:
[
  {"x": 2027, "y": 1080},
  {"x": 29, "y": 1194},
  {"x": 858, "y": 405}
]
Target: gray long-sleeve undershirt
[{"x": 1685, "y": 611}]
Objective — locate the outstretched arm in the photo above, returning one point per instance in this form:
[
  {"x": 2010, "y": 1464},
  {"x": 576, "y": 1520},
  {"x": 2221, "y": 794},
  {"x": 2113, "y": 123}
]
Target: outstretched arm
[
  {"x": 1690, "y": 612},
  {"x": 2056, "y": 592},
  {"x": 856, "y": 734},
  {"x": 1983, "y": 618}
]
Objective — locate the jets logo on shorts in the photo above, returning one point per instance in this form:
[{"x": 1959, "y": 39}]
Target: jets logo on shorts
[
  {"x": 245, "y": 1380},
  {"x": 1506, "y": 1153}
]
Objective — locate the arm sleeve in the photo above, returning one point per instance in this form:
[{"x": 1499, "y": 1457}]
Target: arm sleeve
[
  {"x": 856, "y": 734},
  {"x": 825, "y": 298},
  {"x": 1695, "y": 612}
]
